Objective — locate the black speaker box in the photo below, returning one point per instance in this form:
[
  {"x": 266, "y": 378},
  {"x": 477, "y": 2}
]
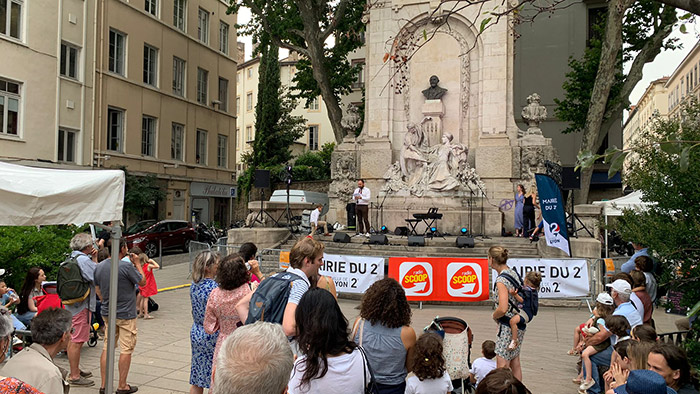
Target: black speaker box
[
  {"x": 465, "y": 242},
  {"x": 416, "y": 240},
  {"x": 378, "y": 239},
  {"x": 341, "y": 237},
  {"x": 401, "y": 230},
  {"x": 570, "y": 179},
  {"x": 262, "y": 179}
]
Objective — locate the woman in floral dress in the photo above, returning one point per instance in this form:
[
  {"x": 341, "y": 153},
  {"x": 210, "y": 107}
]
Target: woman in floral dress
[
  {"x": 498, "y": 257},
  {"x": 203, "y": 273},
  {"x": 221, "y": 315}
]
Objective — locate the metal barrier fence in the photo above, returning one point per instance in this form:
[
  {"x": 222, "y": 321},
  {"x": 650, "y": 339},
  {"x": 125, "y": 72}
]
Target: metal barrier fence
[{"x": 220, "y": 247}]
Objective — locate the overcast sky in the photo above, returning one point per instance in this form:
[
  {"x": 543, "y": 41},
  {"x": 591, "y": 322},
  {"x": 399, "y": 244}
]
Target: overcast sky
[{"x": 663, "y": 65}]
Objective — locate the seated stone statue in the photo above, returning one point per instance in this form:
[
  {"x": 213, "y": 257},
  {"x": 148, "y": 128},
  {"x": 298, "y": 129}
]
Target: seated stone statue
[
  {"x": 434, "y": 92},
  {"x": 411, "y": 157}
]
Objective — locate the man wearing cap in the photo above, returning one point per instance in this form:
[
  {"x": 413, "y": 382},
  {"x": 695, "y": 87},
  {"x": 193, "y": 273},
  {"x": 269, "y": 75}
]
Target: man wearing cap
[
  {"x": 620, "y": 294},
  {"x": 644, "y": 381}
]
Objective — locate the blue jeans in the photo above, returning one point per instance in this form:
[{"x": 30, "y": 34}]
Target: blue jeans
[{"x": 600, "y": 358}]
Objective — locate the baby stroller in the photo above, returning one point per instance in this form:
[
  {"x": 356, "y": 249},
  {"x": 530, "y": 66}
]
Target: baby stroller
[
  {"x": 51, "y": 299},
  {"x": 457, "y": 350}
]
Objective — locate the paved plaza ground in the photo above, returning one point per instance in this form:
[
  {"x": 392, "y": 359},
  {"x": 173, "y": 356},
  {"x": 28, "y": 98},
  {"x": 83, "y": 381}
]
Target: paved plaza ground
[{"x": 161, "y": 362}]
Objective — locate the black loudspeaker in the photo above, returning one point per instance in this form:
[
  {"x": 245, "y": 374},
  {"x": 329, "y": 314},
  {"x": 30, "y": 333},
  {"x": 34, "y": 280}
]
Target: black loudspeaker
[
  {"x": 341, "y": 237},
  {"x": 570, "y": 179},
  {"x": 378, "y": 239},
  {"x": 416, "y": 240},
  {"x": 401, "y": 230},
  {"x": 262, "y": 179},
  {"x": 465, "y": 242}
]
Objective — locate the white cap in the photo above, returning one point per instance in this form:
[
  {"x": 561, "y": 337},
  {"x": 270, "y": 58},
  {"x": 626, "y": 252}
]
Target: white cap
[
  {"x": 621, "y": 286},
  {"x": 605, "y": 299},
  {"x": 2, "y": 272}
]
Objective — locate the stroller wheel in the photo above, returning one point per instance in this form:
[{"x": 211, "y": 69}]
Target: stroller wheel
[{"x": 92, "y": 342}]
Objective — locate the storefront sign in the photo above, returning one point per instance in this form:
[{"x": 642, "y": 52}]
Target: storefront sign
[
  {"x": 442, "y": 278},
  {"x": 199, "y": 189}
]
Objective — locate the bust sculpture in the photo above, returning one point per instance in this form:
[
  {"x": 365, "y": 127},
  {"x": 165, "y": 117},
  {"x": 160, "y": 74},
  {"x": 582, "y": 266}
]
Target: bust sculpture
[
  {"x": 533, "y": 114},
  {"x": 434, "y": 92}
]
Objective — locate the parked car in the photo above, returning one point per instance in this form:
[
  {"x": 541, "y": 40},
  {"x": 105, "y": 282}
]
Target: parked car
[{"x": 170, "y": 234}]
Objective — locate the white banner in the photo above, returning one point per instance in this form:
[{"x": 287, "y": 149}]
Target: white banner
[
  {"x": 352, "y": 274},
  {"x": 561, "y": 278}
]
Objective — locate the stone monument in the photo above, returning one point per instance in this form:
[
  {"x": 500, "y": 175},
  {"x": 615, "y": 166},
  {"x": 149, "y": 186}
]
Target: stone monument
[{"x": 450, "y": 143}]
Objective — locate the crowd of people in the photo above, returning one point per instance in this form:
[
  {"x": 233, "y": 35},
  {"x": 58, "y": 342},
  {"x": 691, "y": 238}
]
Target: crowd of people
[{"x": 56, "y": 324}]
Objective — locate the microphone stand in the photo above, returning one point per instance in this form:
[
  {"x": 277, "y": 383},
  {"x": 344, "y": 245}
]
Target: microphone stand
[
  {"x": 470, "y": 202},
  {"x": 483, "y": 224}
]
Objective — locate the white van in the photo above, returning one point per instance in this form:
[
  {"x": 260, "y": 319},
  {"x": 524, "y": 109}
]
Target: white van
[{"x": 301, "y": 196}]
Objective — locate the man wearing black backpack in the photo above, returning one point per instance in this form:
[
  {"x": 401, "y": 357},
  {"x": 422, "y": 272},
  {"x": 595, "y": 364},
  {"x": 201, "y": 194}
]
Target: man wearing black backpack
[
  {"x": 277, "y": 297},
  {"x": 86, "y": 257}
]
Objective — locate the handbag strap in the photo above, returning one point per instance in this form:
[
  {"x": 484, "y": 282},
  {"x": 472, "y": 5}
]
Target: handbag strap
[{"x": 365, "y": 363}]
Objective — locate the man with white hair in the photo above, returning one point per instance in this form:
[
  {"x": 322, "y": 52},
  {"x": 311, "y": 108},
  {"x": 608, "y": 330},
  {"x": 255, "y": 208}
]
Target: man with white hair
[
  {"x": 86, "y": 256},
  {"x": 620, "y": 291},
  {"x": 256, "y": 358}
]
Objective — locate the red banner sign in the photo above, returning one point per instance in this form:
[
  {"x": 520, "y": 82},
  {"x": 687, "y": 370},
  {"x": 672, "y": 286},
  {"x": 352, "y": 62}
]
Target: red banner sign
[{"x": 442, "y": 278}]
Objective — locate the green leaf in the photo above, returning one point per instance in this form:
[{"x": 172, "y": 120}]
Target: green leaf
[
  {"x": 670, "y": 147},
  {"x": 685, "y": 158},
  {"x": 585, "y": 159},
  {"x": 616, "y": 164},
  {"x": 684, "y": 29},
  {"x": 484, "y": 23},
  {"x": 685, "y": 16},
  {"x": 425, "y": 35}
]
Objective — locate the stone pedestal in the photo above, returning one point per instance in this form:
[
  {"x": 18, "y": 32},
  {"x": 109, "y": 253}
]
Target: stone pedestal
[{"x": 263, "y": 237}]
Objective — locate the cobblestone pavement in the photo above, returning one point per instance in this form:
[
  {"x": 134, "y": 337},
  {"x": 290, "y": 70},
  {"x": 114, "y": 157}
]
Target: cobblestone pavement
[{"x": 161, "y": 361}]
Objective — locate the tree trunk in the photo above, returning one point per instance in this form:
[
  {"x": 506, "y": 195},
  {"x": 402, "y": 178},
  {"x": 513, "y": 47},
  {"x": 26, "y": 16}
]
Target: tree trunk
[
  {"x": 605, "y": 79},
  {"x": 315, "y": 46}
]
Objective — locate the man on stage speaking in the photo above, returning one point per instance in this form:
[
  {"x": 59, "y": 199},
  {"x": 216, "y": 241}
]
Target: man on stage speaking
[{"x": 361, "y": 197}]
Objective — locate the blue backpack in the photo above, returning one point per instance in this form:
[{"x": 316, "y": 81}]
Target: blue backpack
[{"x": 270, "y": 298}]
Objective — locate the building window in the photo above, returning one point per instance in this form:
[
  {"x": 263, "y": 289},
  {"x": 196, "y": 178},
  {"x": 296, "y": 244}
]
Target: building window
[
  {"x": 360, "y": 81},
  {"x": 178, "y": 76},
  {"x": 203, "y": 26},
  {"x": 11, "y": 18},
  {"x": 248, "y": 133},
  {"x": 150, "y": 65},
  {"x": 69, "y": 60},
  {"x": 238, "y": 104},
  {"x": 202, "y": 85},
  {"x": 179, "y": 12},
  {"x": 9, "y": 107},
  {"x": 223, "y": 94},
  {"x": 238, "y": 137},
  {"x": 223, "y": 37},
  {"x": 152, "y": 7},
  {"x": 313, "y": 104},
  {"x": 222, "y": 151},
  {"x": 148, "y": 136},
  {"x": 201, "y": 147},
  {"x": 66, "y": 146},
  {"x": 117, "y": 45},
  {"x": 249, "y": 101},
  {"x": 313, "y": 137},
  {"x": 250, "y": 72},
  {"x": 115, "y": 129},
  {"x": 238, "y": 77},
  {"x": 176, "y": 141}
]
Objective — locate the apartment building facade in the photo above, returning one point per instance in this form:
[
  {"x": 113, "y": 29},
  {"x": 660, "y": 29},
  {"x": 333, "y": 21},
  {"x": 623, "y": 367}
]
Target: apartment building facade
[
  {"x": 142, "y": 85},
  {"x": 318, "y": 127},
  {"x": 652, "y": 105},
  {"x": 684, "y": 82}
]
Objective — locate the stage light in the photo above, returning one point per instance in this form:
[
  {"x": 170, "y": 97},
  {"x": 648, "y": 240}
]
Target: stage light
[
  {"x": 384, "y": 230},
  {"x": 433, "y": 229},
  {"x": 463, "y": 230}
]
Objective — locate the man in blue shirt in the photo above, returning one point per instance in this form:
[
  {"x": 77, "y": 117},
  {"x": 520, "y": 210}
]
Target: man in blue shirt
[{"x": 640, "y": 250}]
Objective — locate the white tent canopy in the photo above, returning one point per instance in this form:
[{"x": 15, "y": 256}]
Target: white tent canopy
[
  {"x": 631, "y": 201},
  {"x": 42, "y": 196}
]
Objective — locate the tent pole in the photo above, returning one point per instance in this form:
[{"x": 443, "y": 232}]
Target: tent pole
[
  {"x": 116, "y": 235},
  {"x": 607, "y": 247}
]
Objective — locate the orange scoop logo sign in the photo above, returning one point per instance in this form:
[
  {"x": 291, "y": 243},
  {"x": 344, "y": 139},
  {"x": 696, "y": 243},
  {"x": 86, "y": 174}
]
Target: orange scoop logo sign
[
  {"x": 464, "y": 280},
  {"x": 416, "y": 278}
]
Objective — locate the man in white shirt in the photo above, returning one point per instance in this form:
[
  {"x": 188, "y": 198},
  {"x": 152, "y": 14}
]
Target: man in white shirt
[
  {"x": 313, "y": 219},
  {"x": 361, "y": 197}
]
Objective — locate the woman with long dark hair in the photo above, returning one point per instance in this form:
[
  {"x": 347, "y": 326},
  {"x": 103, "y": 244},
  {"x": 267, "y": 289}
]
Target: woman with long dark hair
[
  {"x": 384, "y": 331},
  {"x": 330, "y": 363},
  {"x": 26, "y": 309}
]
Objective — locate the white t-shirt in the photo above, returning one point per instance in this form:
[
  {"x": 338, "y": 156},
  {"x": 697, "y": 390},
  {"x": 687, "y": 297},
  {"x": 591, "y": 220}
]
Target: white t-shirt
[
  {"x": 481, "y": 367},
  {"x": 344, "y": 376},
  {"x": 440, "y": 385},
  {"x": 314, "y": 216}
]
